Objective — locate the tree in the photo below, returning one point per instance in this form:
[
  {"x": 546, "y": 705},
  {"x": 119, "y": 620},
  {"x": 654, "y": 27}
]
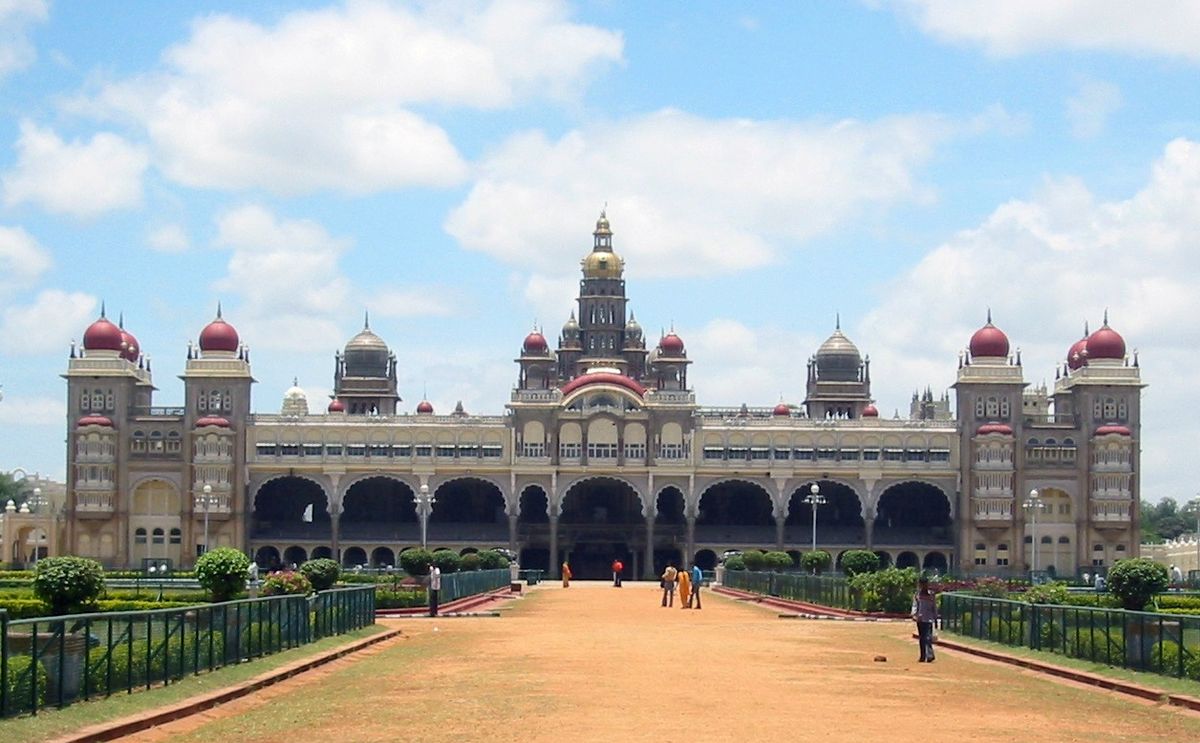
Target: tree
[
  {"x": 856, "y": 562},
  {"x": 67, "y": 583},
  {"x": 1135, "y": 581},
  {"x": 416, "y": 561},
  {"x": 321, "y": 572},
  {"x": 222, "y": 572},
  {"x": 16, "y": 490},
  {"x": 754, "y": 559},
  {"x": 778, "y": 561},
  {"x": 816, "y": 561}
]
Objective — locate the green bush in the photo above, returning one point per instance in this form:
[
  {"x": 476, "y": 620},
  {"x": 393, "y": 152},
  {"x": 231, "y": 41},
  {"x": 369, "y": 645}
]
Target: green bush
[
  {"x": 470, "y": 561},
  {"x": 67, "y": 583},
  {"x": 735, "y": 562},
  {"x": 992, "y": 588},
  {"x": 21, "y": 673},
  {"x": 492, "y": 560},
  {"x": 447, "y": 560},
  {"x": 286, "y": 583},
  {"x": 138, "y": 662},
  {"x": 779, "y": 561},
  {"x": 1046, "y": 593},
  {"x": 322, "y": 573},
  {"x": 25, "y": 608},
  {"x": 889, "y": 590},
  {"x": 222, "y": 572},
  {"x": 1136, "y": 580},
  {"x": 403, "y": 599},
  {"x": 416, "y": 562},
  {"x": 754, "y": 559},
  {"x": 816, "y": 561},
  {"x": 1167, "y": 601},
  {"x": 857, "y": 562}
]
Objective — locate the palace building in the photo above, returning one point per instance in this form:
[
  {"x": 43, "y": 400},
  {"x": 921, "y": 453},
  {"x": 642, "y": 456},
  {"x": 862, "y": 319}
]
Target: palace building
[{"x": 603, "y": 452}]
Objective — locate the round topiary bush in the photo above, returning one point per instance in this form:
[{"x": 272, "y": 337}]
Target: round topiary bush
[
  {"x": 857, "y": 562},
  {"x": 222, "y": 572},
  {"x": 416, "y": 562},
  {"x": 779, "y": 561},
  {"x": 469, "y": 561},
  {"x": 447, "y": 560},
  {"x": 815, "y": 562},
  {"x": 735, "y": 562},
  {"x": 67, "y": 583},
  {"x": 286, "y": 583},
  {"x": 492, "y": 560},
  {"x": 322, "y": 573},
  {"x": 1135, "y": 581},
  {"x": 754, "y": 559}
]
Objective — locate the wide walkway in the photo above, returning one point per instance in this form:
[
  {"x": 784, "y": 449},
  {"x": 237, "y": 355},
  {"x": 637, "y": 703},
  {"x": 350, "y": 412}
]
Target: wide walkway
[{"x": 594, "y": 663}]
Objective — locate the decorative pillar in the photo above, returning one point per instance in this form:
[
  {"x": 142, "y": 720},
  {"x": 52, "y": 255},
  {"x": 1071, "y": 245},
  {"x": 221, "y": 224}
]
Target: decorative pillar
[
  {"x": 512, "y": 531},
  {"x": 648, "y": 566},
  {"x": 554, "y": 565},
  {"x": 334, "y": 518},
  {"x": 780, "y": 520},
  {"x": 691, "y": 535},
  {"x": 869, "y": 523}
]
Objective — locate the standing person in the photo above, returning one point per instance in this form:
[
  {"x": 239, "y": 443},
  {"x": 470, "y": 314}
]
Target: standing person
[
  {"x": 697, "y": 579},
  {"x": 617, "y": 567},
  {"x": 924, "y": 613},
  {"x": 685, "y": 589},
  {"x": 435, "y": 588},
  {"x": 566, "y": 574},
  {"x": 668, "y": 585}
]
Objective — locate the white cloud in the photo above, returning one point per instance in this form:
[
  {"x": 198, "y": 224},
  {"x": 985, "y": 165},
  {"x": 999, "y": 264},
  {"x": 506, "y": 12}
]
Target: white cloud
[
  {"x": 22, "y": 260},
  {"x": 168, "y": 238},
  {"x": 689, "y": 196},
  {"x": 47, "y": 325},
  {"x": 1088, "y": 110},
  {"x": 239, "y": 105},
  {"x": 1161, "y": 27},
  {"x": 739, "y": 364},
  {"x": 426, "y": 302},
  {"x": 16, "y": 51},
  {"x": 32, "y": 411},
  {"x": 80, "y": 179}
]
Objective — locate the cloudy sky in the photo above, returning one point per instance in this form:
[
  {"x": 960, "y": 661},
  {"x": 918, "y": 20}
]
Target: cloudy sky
[{"x": 905, "y": 163}]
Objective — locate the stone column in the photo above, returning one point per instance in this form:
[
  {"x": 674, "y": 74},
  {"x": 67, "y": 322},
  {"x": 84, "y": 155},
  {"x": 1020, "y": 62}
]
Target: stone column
[
  {"x": 554, "y": 565},
  {"x": 779, "y": 523},
  {"x": 691, "y": 539},
  {"x": 870, "y": 529},
  {"x": 512, "y": 531},
  {"x": 649, "y": 563},
  {"x": 334, "y": 536}
]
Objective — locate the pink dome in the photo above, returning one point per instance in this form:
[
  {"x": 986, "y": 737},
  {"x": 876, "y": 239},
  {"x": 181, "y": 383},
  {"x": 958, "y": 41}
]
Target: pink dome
[
  {"x": 212, "y": 420},
  {"x": 870, "y": 412},
  {"x": 130, "y": 349},
  {"x": 1113, "y": 428},
  {"x": 336, "y": 406},
  {"x": 1000, "y": 428},
  {"x": 989, "y": 341},
  {"x": 671, "y": 344},
  {"x": 219, "y": 335},
  {"x": 1077, "y": 354},
  {"x": 1105, "y": 343},
  {"x": 603, "y": 378},
  {"x": 424, "y": 408},
  {"x": 782, "y": 410},
  {"x": 102, "y": 335},
  {"x": 96, "y": 420},
  {"x": 535, "y": 343}
]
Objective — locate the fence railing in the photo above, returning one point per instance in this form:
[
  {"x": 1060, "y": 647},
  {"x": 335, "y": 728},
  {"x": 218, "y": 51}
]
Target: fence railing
[
  {"x": 1167, "y": 644},
  {"x": 816, "y": 589},
  {"x": 54, "y": 661},
  {"x": 461, "y": 585}
]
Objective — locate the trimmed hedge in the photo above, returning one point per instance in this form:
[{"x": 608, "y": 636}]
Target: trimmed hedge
[{"x": 19, "y": 682}]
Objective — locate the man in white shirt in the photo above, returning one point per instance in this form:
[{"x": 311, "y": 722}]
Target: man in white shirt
[{"x": 435, "y": 587}]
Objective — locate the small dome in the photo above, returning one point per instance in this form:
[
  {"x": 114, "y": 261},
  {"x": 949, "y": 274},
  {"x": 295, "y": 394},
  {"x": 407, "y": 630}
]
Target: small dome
[
  {"x": 1000, "y": 428},
  {"x": 295, "y": 400},
  {"x": 1077, "y": 354},
  {"x": 102, "y": 335},
  {"x": 1113, "y": 428},
  {"x": 870, "y": 412},
  {"x": 989, "y": 341},
  {"x": 219, "y": 335},
  {"x": 366, "y": 339},
  {"x": 603, "y": 264},
  {"x": 96, "y": 420},
  {"x": 336, "y": 406},
  {"x": 671, "y": 345},
  {"x": 130, "y": 348},
  {"x": 535, "y": 344},
  {"x": 633, "y": 327},
  {"x": 1105, "y": 343},
  {"x": 838, "y": 359},
  {"x": 424, "y": 408},
  {"x": 782, "y": 410},
  {"x": 212, "y": 420},
  {"x": 571, "y": 325}
]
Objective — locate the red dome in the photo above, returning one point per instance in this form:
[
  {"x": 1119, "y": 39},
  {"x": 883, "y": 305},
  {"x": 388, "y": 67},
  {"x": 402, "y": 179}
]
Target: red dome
[
  {"x": 671, "y": 344},
  {"x": 96, "y": 420},
  {"x": 603, "y": 378},
  {"x": 782, "y": 409},
  {"x": 1105, "y": 343},
  {"x": 424, "y": 408},
  {"x": 870, "y": 412},
  {"x": 989, "y": 341},
  {"x": 1113, "y": 428},
  {"x": 212, "y": 420},
  {"x": 1077, "y": 354},
  {"x": 535, "y": 342},
  {"x": 1000, "y": 428},
  {"x": 219, "y": 335},
  {"x": 102, "y": 335},
  {"x": 130, "y": 347},
  {"x": 336, "y": 406}
]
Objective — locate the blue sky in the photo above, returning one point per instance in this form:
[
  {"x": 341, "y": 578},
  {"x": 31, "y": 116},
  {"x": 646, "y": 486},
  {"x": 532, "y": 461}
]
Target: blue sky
[{"x": 906, "y": 163}]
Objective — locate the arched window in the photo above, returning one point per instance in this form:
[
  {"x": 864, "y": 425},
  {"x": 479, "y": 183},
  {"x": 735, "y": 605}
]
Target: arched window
[
  {"x": 156, "y": 536},
  {"x": 1047, "y": 540},
  {"x": 176, "y": 536},
  {"x": 139, "y": 536},
  {"x": 1064, "y": 540}
]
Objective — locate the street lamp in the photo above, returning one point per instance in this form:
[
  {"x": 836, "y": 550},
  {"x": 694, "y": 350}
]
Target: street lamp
[
  {"x": 814, "y": 499},
  {"x": 1033, "y": 504},
  {"x": 36, "y": 504},
  {"x": 207, "y": 502},
  {"x": 425, "y": 501}
]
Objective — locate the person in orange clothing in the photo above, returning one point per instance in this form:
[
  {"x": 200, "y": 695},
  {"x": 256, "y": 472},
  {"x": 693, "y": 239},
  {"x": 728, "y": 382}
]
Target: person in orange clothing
[
  {"x": 685, "y": 589},
  {"x": 566, "y": 574}
]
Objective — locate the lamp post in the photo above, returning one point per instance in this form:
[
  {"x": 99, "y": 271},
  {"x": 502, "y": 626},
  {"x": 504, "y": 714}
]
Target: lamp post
[
  {"x": 425, "y": 501},
  {"x": 207, "y": 502},
  {"x": 1033, "y": 504},
  {"x": 36, "y": 505},
  {"x": 814, "y": 499}
]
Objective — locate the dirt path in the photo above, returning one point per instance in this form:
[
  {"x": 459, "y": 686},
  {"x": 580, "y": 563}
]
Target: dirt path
[{"x": 593, "y": 663}]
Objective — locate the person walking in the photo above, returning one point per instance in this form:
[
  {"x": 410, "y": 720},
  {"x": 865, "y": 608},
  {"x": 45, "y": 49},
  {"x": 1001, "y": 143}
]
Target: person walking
[
  {"x": 668, "y": 585},
  {"x": 566, "y": 574},
  {"x": 685, "y": 589},
  {"x": 617, "y": 567},
  {"x": 697, "y": 579},
  {"x": 435, "y": 588},
  {"x": 924, "y": 613}
]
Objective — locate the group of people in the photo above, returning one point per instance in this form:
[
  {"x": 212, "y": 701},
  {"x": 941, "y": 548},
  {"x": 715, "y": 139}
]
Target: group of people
[{"x": 688, "y": 584}]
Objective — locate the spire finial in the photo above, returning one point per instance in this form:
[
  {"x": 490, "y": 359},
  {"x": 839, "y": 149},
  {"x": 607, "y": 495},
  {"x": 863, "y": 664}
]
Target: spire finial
[
  {"x": 218, "y": 309},
  {"x": 837, "y": 321},
  {"x": 366, "y": 320},
  {"x": 1086, "y": 332},
  {"x": 295, "y": 381},
  {"x": 102, "y": 312},
  {"x": 121, "y": 321},
  {"x": 989, "y": 322},
  {"x": 1106, "y": 317}
]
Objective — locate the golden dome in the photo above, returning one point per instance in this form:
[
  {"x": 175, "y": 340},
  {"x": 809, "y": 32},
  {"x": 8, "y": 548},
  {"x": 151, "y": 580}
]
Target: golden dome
[{"x": 603, "y": 264}]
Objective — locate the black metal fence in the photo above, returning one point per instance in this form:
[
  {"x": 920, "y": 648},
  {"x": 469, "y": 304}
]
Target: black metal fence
[
  {"x": 831, "y": 591},
  {"x": 54, "y": 661},
  {"x": 472, "y": 582},
  {"x": 1167, "y": 644}
]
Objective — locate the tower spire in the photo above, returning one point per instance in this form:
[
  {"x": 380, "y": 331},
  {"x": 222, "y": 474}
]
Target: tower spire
[
  {"x": 837, "y": 321},
  {"x": 366, "y": 320},
  {"x": 102, "y": 313},
  {"x": 218, "y": 309},
  {"x": 989, "y": 320}
]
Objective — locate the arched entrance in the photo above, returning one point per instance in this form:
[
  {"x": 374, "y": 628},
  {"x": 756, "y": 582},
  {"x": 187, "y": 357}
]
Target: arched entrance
[
  {"x": 736, "y": 513},
  {"x": 885, "y": 559},
  {"x": 267, "y": 558},
  {"x": 354, "y": 556},
  {"x": 320, "y": 553},
  {"x": 911, "y": 514},
  {"x": 288, "y": 508},
  {"x": 839, "y": 518},
  {"x": 908, "y": 560},
  {"x": 600, "y": 521},
  {"x": 706, "y": 559},
  {"x": 533, "y": 529},
  {"x": 156, "y": 508},
  {"x": 382, "y": 557},
  {"x": 936, "y": 563},
  {"x": 468, "y": 509},
  {"x": 294, "y": 556},
  {"x": 379, "y": 509}
]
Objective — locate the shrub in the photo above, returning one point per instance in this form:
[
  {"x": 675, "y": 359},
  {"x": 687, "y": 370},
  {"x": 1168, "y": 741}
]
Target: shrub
[
  {"x": 403, "y": 599},
  {"x": 416, "y": 562},
  {"x": 67, "y": 583},
  {"x": 492, "y": 560},
  {"x": 816, "y": 561},
  {"x": 1046, "y": 593},
  {"x": 857, "y": 562},
  {"x": 889, "y": 590},
  {"x": 447, "y": 560},
  {"x": 24, "y": 608},
  {"x": 222, "y": 572},
  {"x": 735, "y": 562},
  {"x": 286, "y": 583},
  {"x": 469, "y": 561},
  {"x": 21, "y": 671},
  {"x": 779, "y": 561},
  {"x": 1136, "y": 580},
  {"x": 754, "y": 559},
  {"x": 992, "y": 588},
  {"x": 322, "y": 573}
]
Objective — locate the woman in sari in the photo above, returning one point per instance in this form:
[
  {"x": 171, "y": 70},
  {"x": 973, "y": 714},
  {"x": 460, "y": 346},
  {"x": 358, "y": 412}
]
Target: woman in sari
[{"x": 685, "y": 589}]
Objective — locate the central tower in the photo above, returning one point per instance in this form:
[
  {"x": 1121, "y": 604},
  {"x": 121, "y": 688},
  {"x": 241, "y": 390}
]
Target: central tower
[{"x": 602, "y": 303}]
